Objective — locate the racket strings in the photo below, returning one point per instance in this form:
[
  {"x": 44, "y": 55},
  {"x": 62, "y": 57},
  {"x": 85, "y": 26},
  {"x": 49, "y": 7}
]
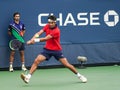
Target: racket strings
[{"x": 16, "y": 44}]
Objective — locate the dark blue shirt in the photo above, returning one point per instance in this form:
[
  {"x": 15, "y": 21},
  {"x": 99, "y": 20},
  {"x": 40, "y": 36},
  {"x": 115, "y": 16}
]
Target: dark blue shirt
[{"x": 18, "y": 27}]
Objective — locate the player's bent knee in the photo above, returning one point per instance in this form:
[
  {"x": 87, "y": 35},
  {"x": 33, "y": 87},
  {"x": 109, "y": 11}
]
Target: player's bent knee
[{"x": 39, "y": 59}]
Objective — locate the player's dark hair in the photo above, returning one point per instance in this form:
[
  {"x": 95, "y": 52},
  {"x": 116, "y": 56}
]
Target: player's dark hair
[
  {"x": 52, "y": 17},
  {"x": 16, "y": 13}
]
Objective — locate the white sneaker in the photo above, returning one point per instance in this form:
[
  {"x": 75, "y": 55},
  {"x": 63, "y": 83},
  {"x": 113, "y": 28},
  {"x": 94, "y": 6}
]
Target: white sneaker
[
  {"x": 25, "y": 78},
  {"x": 83, "y": 79},
  {"x": 24, "y": 68},
  {"x": 11, "y": 69}
]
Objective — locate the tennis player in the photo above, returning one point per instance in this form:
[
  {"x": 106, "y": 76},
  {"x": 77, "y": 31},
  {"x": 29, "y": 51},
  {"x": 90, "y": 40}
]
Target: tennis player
[
  {"x": 52, "y": 48},
  {"x": 16, "y": 30}
]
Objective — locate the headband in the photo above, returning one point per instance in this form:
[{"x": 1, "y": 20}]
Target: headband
[{"x": 50, "y": 20}]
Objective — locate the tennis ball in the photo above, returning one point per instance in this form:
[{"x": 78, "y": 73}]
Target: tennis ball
[{"x": 36, "y": 35}]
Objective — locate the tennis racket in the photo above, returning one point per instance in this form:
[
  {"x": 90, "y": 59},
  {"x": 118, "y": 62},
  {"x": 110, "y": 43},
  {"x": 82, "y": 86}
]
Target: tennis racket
[{"x": 15, "y": 44}]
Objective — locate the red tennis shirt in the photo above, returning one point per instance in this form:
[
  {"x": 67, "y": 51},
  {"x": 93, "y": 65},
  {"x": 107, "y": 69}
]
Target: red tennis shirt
[{"x": 54, "y": 42}]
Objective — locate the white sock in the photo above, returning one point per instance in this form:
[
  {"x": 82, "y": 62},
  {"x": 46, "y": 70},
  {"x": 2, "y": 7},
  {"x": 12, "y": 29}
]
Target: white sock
[
  {"x": 11, "y": 64},
  {"x": 23, "y": 64},
  {"x": 29, "y": 76},
  {"x": 78, "y": 74}
]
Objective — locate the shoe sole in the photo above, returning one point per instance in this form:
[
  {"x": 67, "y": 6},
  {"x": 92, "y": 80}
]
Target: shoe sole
[
  {"x": 23, "y": 78},
  {"x": 84, "y": 81}
]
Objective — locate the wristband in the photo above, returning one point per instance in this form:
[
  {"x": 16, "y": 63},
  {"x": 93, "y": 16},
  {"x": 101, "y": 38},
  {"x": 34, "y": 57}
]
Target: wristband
[{"x": 37, "y": 39}]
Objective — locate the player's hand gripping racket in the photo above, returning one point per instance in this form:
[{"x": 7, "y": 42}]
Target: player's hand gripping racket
[
  {"x": 15, "y": 44},
  {"x": 33, "y": 41}
]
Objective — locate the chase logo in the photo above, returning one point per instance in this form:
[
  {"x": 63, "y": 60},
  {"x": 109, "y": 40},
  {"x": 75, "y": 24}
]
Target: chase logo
[{"x": 111, "y": 18}]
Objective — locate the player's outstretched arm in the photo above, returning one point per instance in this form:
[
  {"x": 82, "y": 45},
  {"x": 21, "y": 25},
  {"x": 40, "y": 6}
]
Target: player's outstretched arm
[
  {"x": 35, "y": 38},
  {"x": 36, "y": 35},
  {"x": 45, "y": 38},
  {"x": 32, "y": 41}
]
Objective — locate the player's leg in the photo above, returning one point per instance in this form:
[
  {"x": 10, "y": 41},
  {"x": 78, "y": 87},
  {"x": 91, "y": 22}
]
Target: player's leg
[
  {"x": 68, "y": 65},
  {"x": 45, "y": 55},
  {"x": 38, "y": 60},
  {"x": 65, "y": 62},
  {"x": 12, "y": 53},
  {"x": 22, "y": 57}
]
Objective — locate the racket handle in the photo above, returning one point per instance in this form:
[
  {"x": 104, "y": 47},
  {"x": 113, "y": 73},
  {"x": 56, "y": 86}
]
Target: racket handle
[{"x": 21, "y": 33}]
